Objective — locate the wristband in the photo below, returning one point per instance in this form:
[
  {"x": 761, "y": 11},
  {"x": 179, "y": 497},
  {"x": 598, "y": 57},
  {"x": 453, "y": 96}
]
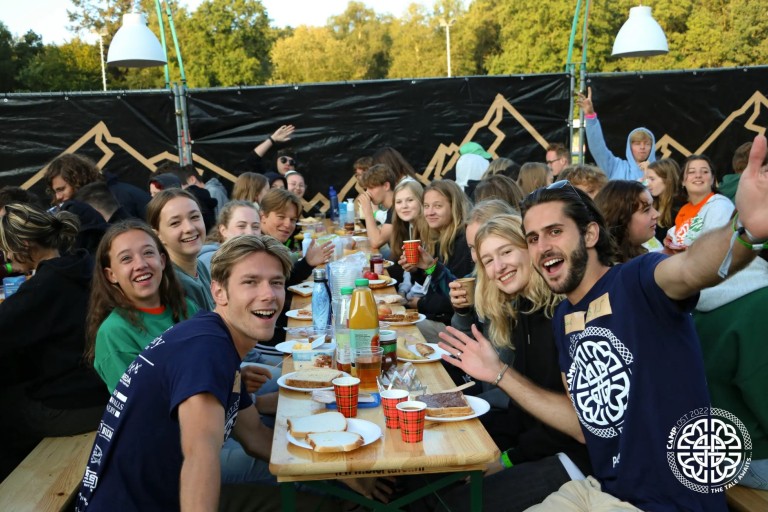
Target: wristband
[
  {"x": 500, "y": 375},
  {"x": 431, "y": 269},
  {"x": 590, "y": 116},
  {"x": 505, "y": 460},
  {"x": 9, "y": 268},
  {"x": 271, "y": 140},
  {"x": 755, "y": 245}
]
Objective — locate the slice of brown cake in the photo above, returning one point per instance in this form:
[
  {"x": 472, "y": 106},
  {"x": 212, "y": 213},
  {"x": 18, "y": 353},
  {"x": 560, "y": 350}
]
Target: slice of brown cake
[{"x": 449, "y": 404}]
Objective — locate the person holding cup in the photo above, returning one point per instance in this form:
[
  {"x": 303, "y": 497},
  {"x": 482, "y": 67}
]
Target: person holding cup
[
  {"x": 517, "y": 307},
  {"x": 445, "y": 210},
  {"x": 408, "y": 222}
]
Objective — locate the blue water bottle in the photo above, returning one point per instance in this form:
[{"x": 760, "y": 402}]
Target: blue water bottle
[
  {"x": 334, "y": 204},
  {"x": 321, "y": 300}
]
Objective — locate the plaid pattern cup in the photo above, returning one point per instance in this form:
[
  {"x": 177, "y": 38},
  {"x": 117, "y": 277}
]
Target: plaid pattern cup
[
  {"x": 411, "y": 249},
  {"x": 347, "y": 390},
  {"x": 411, "y": 414},
  {"x": 389, "y": 399}
]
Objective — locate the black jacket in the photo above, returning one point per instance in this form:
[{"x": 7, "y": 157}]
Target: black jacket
[
  {"x": 437, "y": 306},
  {"x": 133, "y": 199},
  {"x": 43, "y": 334},
  {"x": 536, "y": 357}
]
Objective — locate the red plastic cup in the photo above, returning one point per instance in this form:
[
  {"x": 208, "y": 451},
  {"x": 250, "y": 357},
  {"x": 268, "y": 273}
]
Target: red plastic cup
[
  {"x": 411, "y": 414},
  {"x": 411, "y": 249},
  {"x": 389, "y": 399},
  {"x": 347, "y": 390}
]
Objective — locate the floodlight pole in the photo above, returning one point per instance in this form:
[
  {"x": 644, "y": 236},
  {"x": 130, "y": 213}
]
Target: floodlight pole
[
  {"x": 570, "y": 68},
  {"x": 447, "y": 25},
  {"x": 184, "y": 142}
]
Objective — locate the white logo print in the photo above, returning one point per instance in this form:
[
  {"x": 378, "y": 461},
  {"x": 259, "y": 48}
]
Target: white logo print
[
  {"x": 599, "y": 380},
  {"x": 709, "y": 450}
]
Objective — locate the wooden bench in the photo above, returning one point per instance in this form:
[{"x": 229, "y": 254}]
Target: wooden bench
[
  {"x": 744, "y": 499},
  {"x": 49, "y": 477}
]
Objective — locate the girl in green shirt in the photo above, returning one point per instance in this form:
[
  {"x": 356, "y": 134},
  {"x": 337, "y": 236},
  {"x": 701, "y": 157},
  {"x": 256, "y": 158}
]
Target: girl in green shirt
[{"x": 135, "y": 297}]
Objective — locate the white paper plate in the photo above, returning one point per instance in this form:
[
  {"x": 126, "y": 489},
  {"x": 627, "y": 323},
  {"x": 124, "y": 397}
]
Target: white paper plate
[
  {"x": 421, "y": 317},
  {"x": 478, "y": 405},
  {"x": 371, "y": 432},
  {"x": 282, "y": 384},
  {"x": 294, "y": 313},
  {"x": 431, "y": 358},
  {"x": 286, "y": 347},
  {"x": 388, "y": 263}
]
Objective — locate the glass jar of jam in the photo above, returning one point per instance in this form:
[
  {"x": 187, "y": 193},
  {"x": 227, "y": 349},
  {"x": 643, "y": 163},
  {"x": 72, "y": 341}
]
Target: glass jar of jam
[
  {"x": 388, "y": 343},
  {"x": 377, "y": 263}
]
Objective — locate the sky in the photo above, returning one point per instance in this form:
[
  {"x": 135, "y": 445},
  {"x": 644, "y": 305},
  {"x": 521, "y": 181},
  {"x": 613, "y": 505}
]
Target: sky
[{"x": 49, "y": 17}]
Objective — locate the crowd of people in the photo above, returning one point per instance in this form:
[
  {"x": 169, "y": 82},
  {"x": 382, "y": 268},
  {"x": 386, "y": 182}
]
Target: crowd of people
[{"x": 601, "y": 315}]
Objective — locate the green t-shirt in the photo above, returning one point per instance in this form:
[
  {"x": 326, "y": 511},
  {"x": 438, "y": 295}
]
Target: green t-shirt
[
  {"x": 197, "y": 289},
  {"x": 118, "y": 341}
]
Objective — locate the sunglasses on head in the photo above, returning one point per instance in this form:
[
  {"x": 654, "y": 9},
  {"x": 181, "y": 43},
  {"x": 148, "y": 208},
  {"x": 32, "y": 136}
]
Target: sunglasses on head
[
  {"x": 558, "y": 185},
  {"x": 287, "y": 160}
]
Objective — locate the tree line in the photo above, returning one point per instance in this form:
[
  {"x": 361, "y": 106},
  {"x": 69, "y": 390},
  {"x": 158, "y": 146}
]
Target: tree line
[{"x": 232, "y": 42}]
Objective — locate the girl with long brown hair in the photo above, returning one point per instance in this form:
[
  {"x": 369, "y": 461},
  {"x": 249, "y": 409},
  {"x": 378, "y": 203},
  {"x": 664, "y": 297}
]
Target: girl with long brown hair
[{"x": 135, "y": 296}]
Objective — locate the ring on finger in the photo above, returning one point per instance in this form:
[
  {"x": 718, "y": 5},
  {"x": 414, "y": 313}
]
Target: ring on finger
[{"x": 458, "y": 353}]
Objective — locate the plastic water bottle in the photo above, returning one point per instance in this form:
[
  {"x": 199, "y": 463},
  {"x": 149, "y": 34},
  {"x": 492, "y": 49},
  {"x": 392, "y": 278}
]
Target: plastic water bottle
[
  {"x": 305, "y": 244},
  {"x": 334, "y": 204},
  {"x": 342, "y": 212},
  {"x": 349, "y": 221},
  {"x": 341, "y": 330},
  {"x": 321, "y": 300}
]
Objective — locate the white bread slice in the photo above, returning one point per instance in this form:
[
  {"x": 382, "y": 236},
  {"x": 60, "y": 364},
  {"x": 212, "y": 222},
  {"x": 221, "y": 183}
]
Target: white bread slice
[
  {"x": 328, "y": 442},
  {"x": 317, "y": 423},
  {"x": 313, "y": 378}
]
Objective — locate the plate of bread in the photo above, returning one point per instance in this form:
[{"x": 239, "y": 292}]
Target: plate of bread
[
  {"x": 419, "y": 352},
  {"x": 331, "y": 432},
  {"x": 304, "y": 313},
  {"x": 375, "y": 284},
  {"x": 304, "y": 289},
  {"x": 396, "y": 314},
  {"x": 310, "y": 379},
  {"x": 453, "y": 406}
]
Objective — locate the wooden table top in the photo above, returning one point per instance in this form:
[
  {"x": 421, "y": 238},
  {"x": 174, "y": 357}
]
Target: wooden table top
[{"x": 447, "y": 446}]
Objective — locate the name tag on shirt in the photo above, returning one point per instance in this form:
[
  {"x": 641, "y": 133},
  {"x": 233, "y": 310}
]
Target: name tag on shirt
[{"x": 578, "y": 320}]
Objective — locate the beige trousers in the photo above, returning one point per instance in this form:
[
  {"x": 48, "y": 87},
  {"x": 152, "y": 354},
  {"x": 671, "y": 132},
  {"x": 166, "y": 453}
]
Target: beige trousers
[{"x": 581, "y": 496}]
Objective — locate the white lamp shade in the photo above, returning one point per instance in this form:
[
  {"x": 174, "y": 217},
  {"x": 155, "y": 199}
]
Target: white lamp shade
[
  {"x": 640, "y": 36},
  {"x": 134, "y": 45}
]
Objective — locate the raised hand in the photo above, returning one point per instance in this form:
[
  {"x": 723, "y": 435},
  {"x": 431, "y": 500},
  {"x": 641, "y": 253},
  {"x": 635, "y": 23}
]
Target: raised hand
[
  {"x": 752, "y": 194},
  {"x": 585, "y": 102},
  {"x": 319, "y": 254},
  {"x": 283, "y": 133},
  {"x": 475, "y": 356}
]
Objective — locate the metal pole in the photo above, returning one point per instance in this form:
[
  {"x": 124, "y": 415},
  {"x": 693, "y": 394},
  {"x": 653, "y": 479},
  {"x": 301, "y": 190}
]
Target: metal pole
[
  {"x": 570, "y": 68},
  {"x": 169, "y": 15},
  {"x": 582, "y": 79},
  {"x": 103, "y": 67},
  {"x": 448, "y": 45},
  {"x": 159, "y": 10}
]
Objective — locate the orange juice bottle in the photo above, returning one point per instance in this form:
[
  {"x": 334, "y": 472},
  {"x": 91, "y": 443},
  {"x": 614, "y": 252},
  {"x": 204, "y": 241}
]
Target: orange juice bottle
[{"x": 363, "y": 317}]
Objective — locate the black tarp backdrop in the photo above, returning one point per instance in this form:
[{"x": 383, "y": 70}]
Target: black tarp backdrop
[
  {"x": 702, "y": 111},
  {"x": 117, "y": 128},
  {"x": 336, "y": 123}
]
